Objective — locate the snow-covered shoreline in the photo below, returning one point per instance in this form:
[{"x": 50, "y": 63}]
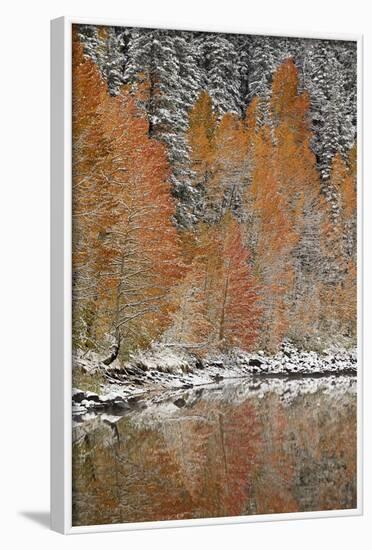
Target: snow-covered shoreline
[
  {"x": 153, "y": 409},
  {"x": 161, "y": 369}
]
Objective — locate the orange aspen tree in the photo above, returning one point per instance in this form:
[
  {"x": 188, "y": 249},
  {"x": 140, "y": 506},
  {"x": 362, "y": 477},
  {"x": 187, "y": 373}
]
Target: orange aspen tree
[
  {"x": 220, "y": 303},
  {"x": 200, "y": 135},
  {"x": 251, "y": 126},
  {"x": 195, "y": 294},
  {"x": 341, "y": 248},
  {"x": 299, "y": 185},
  {"x": 218, "y": 155},
  {"x": 229, "y": 165},
  {"x": 239, "y": 315},
  {"x": 190, "y": 326},
  {"x": 144, "y": 240},
  {"x": 274, "y": 239},
  {"x": 92, "y": 202},
  {"x": 126, "y": 248}
]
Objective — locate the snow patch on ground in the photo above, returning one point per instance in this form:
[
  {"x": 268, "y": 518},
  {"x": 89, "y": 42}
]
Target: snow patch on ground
[{"x": 161, "y": 369}]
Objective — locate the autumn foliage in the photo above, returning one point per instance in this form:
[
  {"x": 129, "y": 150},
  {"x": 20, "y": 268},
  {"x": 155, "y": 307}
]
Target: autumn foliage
[
  {"x": 270, "y": 257},
  {"x": 131, "y": 248}
]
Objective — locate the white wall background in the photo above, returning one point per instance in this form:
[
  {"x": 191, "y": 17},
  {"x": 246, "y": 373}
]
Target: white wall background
[{"x": 24, "y": 260}]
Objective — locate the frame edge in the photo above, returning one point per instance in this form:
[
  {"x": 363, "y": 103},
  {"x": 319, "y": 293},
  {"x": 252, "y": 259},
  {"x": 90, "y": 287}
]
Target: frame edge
[
  {"x": 57, "y": 269},
  {"x": 60, "y": 285}
]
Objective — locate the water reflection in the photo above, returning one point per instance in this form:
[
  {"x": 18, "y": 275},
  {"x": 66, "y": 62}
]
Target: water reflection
[{"x": 249, "y": 447}]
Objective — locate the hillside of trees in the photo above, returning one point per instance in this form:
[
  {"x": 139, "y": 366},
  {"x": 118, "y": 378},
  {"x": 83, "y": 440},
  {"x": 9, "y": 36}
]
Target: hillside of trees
[{"x": 214, "y": 191}]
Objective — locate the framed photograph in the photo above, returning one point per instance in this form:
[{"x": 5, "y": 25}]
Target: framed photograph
[{"x": 206, "y": 276}]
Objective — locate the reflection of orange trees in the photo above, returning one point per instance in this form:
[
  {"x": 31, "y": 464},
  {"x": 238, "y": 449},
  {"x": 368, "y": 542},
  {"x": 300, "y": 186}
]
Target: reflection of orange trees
[
  {"x": 241, "y": 443},
  {"x": 339, "y": 456},
  {"x": 308, "y": 459},
  {"x": 155, "y": 489},
  {"x": 219, "y": 458},
  {"x": 186, "y": 437},
  {"x": 135, "y": 479},
  {"x": 96, "y": 490},
  {"x": 275, "y": 476},
  {"x": 326, "y": 465},
  {"x": 215, "y": 450}
]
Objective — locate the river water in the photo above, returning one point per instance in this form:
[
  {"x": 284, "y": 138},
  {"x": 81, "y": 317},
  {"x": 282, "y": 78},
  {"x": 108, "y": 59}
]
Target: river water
[{"x": 237, "y": 448}]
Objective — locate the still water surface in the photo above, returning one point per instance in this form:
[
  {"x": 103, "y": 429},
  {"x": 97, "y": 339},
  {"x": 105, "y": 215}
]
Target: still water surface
[{"x": 242, "y": 448}]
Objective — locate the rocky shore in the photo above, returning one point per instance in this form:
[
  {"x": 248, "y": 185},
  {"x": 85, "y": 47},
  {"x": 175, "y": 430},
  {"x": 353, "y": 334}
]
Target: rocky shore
[{"x": 163, "y": 369}]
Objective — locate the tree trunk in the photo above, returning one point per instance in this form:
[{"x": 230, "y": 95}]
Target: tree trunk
[
  {"x": 224, "y": 299},
  {"x": 114, "y": 351},
  {"x": 151, "y": 103}
]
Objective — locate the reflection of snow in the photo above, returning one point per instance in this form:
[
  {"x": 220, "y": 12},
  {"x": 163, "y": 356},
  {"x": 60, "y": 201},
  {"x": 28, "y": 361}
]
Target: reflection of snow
[
  {"x": 237, "y": 392},
  {"x": 91, "y": 422},
  {"x": 163, "y": 369},
  {"x": 168, "y": 405}
]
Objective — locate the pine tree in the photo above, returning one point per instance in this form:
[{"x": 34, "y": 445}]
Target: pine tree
[
  {"x": 263, "y": 60},
  {"x": 106, "y": 47},
  {"x": 242, "y": 45},
  {"x": 222, "y": 73},
  {"x": 330, "y": 78},
  {"x": 164, "y": 61}
]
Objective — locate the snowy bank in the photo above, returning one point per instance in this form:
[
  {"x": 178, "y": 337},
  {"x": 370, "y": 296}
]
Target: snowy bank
[{"x": 162, "y": 368}]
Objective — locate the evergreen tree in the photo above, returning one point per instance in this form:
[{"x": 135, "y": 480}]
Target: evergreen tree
[
  {"x": 329, "y": 77},
  {"x": 106, "y": 46},
  {"x": 164, "y": 62},
  {"x": 222, "y": 73}
]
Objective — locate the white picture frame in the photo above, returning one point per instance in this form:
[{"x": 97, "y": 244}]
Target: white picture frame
[{"x": 61, "y": 302}]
